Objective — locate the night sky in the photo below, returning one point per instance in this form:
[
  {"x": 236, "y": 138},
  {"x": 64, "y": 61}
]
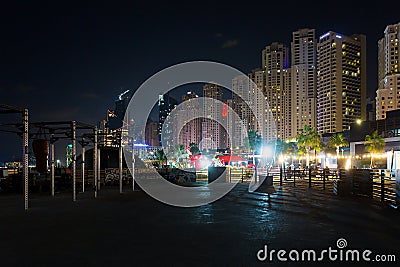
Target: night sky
[{"x": 69, "y": 61}]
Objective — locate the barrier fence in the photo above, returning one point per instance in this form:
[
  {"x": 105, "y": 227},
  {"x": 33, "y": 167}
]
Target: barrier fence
[{"x": 378, "y": 184}]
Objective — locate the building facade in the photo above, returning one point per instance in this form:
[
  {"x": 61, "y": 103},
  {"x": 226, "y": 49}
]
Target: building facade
[
  {"x": 341, "y": 81},
  {"x": 388, "y": 98},
  {"x": 191, "y": 128},
  {"x": 213, "y": 134},
  {"x": 275, "y": 59},
  {"x": 388, "y": 71},
  {"x": 303, "y": 80},
  {"x": 166, "y": 104}
]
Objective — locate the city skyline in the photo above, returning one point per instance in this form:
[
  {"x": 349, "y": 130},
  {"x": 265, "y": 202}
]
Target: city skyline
[{"x": 63, "y": 71}]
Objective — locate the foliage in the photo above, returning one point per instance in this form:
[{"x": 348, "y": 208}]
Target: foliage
[
  {"x": 337, "y": 141},
  {"x": 309, "y": 140},
  {"x": 194, "y": 149},
  {"x": 253, "y": 141},
  {"x": 160, "y": 156},
  {"x": 374, "y": 144}
]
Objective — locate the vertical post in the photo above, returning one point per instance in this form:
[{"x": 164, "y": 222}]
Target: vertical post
[
  {"x": 309, "y": 177},
  {"x": 52, "y": 163},
  {"x": 382, "y": 185},
  {"x": 280, "y": 176},
  {"x": 133, "y": 167},
  {"x": 242, "y": 175},
  {"x": 294, "y": 177},
  {"x": 83, "y": 165},
  {"x": 120, "y": 163},
  {"x": 25, "y": 142},
  {"x": 73, "y": 160},
  {"x": 323, "y": 178},
  {"x": 98, "y": 169},
  {"x": 95, "y": 163}
]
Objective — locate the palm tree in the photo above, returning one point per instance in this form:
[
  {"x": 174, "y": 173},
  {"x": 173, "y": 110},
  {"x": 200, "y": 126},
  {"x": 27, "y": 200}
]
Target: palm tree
[
  {"x": 286, "y": 148},
  {"x": 194, "y": 149},
  {"x": 374, "y": 144},
  {"x": 160, "y": 157},
  {"x": 253, "y": 142},
  {"x": 309, "y": 140},
  {"x": 337, "y": 141}
]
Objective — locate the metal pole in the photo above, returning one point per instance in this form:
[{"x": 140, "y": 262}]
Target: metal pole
[
  {"x": 382, "y": 185},
  {"x": 95, "y": 163},
  {"x": 98, "y": 169},
  {"x": 120, "y": 163},
  {"x": 25, "y": 142},
  {"x": 294, "y": 177},
  {"x": 133, "y": 168},
  {"x": 309, "y": 178},
  {"x": 74, "y": 161},
  {"x": 280, "y": 176},
  {"x": 83, "y": 166},
  {"x": 52, "y": 163},
  {"x": 324, "y": 177}
]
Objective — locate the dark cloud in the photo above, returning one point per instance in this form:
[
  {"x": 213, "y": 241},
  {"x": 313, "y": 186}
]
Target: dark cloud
[
  {"x": 90, "y": 95},
  {"x": 230, "y": 43}
]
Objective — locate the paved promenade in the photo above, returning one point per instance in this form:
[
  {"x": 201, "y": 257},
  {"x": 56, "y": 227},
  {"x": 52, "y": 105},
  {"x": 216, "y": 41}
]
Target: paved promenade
[{"x": 133, "y": 229}]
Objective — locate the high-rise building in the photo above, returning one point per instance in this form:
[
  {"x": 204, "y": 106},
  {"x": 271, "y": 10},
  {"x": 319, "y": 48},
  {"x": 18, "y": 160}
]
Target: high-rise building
[
  {"x": 275, "y": 60},
  {"x": 115, "y": 117},
  {"x": 388, "y": 98},
  {"x": 303, "y": 80},
  {"x": 388, "y": 52},
  {"x": 341, "y": 81},
  {"x": 250, "y": 107},
  {"x": 165, "y": 104},
  {"x": 388, "y": 71},
  {"x": 151, "y": 133},
  {"x": 212, "y": 131},
  {"x": 190, "y": 129}
]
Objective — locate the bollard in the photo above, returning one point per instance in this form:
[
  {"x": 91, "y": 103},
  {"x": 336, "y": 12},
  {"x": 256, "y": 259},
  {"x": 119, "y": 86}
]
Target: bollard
[
  {"x": 280, "y": 176},
  {"x": 323, "y": 178},
  {"x": 309, "y": 178}
]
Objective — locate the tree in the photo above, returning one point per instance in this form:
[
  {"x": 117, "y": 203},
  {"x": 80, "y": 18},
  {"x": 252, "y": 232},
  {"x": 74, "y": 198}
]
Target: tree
[
  {"x": 160, "y": 157},
  {"x": 374, "y": 144},
  {"x": 290, "y": 148},
  {"x": 253, "y": 142},
  {"x": 194, "y": 149},
  {"x": 309, "y": 140},
  {"x": 337, "y": 141},
  {"x": 286, "y": 148}
]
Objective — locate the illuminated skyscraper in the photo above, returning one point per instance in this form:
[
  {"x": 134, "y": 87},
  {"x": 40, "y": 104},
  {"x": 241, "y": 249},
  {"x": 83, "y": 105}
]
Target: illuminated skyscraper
[
  {"x": 303, "y": 80},
  {"x": 191, "y": 128},
  {"x": 212, "y": 132},
  {"x": 341, "y": 86},
  {"x": 165, "y": 104},
  {"x": 275, "y": 62},
  {"x": 388, "y": 94}
]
